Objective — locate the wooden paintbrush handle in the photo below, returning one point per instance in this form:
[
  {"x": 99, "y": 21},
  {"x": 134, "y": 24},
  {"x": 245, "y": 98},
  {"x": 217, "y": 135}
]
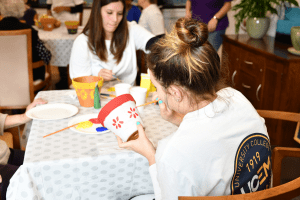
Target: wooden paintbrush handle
[{"x": 60, "y": 130}]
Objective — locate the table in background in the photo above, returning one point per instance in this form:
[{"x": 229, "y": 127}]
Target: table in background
[
  {"x": 60, "y": 43},
  {"x": 71, "y": 165}
]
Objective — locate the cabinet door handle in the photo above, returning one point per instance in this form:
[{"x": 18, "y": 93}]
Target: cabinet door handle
[
  {"x": 258, "y": 88},
  {"x": 246, "y": 86},
  {"x": 232, "y": 78},
  {"x": 249, "y": 63}
]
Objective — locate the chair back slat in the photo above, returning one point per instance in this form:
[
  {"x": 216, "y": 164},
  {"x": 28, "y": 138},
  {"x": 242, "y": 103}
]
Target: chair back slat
[{"x": 16, "y": 69}]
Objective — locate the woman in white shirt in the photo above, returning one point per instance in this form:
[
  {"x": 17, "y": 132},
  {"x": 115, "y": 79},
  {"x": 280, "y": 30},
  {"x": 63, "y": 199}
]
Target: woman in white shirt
[
  {"x": 221, "y": 146},
  {"x": 151, "y": 18},
  {"x": 108, "y": 44}
]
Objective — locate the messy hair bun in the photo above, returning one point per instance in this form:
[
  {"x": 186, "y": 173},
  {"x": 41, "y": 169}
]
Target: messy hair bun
[
  {"x": 184, "y": 57},
  {"x": 191, "y": 32}
]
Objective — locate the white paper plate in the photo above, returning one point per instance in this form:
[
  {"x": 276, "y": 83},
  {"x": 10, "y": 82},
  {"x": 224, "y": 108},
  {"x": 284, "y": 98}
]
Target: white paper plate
[
  {"x": 82, "y": 118},
  {"x": 52, "y": 111}
]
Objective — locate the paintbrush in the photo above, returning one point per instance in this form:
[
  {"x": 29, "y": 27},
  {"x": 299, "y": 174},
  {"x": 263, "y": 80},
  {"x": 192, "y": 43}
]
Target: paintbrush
[
  {"x": 117, "y": 78},
  {"x": 108, "y": 95},
  {"x": 60, "y": 130},
  {"x": 147, "y": 103}
]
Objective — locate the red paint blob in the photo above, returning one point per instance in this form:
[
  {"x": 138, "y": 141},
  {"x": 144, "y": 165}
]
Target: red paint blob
[{"x": 94, "y": 120}]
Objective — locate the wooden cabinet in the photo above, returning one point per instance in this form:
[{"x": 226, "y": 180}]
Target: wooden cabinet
[{"x": 269, "y": 77}]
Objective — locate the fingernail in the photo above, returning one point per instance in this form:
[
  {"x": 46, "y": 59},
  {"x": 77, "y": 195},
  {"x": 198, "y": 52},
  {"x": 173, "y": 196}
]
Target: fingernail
[
  {"x": 138, "y": 123},
  {"x": 156, "y": 99},
  {"x": 160, "y": 101}
]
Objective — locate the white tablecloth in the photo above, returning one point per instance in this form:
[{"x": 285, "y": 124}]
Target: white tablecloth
[
  {"x": 60, "y": 43},
  {"x": 70, "y": 165}
]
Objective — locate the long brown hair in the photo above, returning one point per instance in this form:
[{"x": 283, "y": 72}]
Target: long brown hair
[
  {"x": 96, "y": 34},
  {"x": 185, "y": 58}
]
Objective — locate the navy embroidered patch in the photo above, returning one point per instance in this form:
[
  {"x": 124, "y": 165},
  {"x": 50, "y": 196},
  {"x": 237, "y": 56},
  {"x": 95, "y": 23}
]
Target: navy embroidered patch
[{"x": 252, "y": 165}]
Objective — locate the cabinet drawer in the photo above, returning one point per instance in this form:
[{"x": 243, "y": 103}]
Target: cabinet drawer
[
  {"x": 250, "y": 86},
  {"x": 252, "y": 63}
]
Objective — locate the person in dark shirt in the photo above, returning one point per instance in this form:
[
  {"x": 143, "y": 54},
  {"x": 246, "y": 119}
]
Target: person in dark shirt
[
  {"x": 133, "y": 12},
  {"x": 214, "y": 14},
  {"x": 30, "y": 14}
]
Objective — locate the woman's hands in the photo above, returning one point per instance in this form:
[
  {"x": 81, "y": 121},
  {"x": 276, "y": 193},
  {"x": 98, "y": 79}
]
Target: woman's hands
[
  {"x": 212, "y": 25},
  {"x": 106, "y": 74},
  {"x": 141, "y": 145},
  {"x": 167, "y": 114},
  {"x": 32, "y": 105},
  {"x": 35, "y": 102},
  {"x": 16, "y": 120}
]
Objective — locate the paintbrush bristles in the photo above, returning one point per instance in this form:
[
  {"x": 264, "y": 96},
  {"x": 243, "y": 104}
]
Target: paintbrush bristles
[{"x": 147, "y": 103}]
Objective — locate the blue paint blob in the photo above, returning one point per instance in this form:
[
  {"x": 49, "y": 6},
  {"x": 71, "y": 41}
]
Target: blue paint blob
[{"x": 100, "y": 129}]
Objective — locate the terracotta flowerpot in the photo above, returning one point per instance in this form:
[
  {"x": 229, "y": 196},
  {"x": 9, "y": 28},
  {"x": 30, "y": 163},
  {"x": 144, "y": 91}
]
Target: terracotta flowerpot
[
  {"x": 85, "y": 88},
  {"x": 72, "y": 26},
  {"x": 47, "y": 23}
]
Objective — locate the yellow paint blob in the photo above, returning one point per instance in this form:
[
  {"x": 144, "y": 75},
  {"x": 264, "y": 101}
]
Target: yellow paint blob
[
  {"x": 84, "y": 125},
  {"x": 111, "y": 89}
]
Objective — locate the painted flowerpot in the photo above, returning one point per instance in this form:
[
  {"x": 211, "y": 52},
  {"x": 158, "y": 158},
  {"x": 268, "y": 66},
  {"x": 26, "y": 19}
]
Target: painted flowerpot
[
  {"x": 257, "y": 27},
  {"x": 85, "y": 89},
  {"x": 47, "y": 23},
  {"x": 72, "y": 26},
  {"x": 120, "y": 116}
]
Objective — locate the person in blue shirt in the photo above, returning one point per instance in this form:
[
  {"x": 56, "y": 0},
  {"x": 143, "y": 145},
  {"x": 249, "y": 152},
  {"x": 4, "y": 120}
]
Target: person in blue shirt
[{"x": 133, "y": 12}]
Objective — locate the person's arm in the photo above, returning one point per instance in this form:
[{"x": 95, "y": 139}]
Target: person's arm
[
  {"x": 143, "y": 146},
  {"x": 80, "y": 60},
  {"x": 224, "y": 10},
  {"x": 153, "y": 174},
  {"x": 140, "y": 35},
  {"x": 212, "y": 24},
  {"x": 16, "y": 120},
  {"x": 188, "y": 7}
]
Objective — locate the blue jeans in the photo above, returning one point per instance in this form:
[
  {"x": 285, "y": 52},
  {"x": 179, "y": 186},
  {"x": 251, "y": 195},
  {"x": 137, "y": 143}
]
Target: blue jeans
[{"x": 215, "y": 38}]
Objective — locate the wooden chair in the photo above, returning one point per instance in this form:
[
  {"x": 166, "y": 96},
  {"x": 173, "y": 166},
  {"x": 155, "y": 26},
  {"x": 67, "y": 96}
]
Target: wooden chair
[
  {"x": 285, "y": 116},
  {"x": 16, "y": 67},
  {"x": 278, "y": 192},
  {"x": 7, "y": 137},
  {"x": 17, "y": 85},
  {"x": 80, "y": 18},
  {"x": 42, "y": 84},
  {"x": 16, "y": 82}
]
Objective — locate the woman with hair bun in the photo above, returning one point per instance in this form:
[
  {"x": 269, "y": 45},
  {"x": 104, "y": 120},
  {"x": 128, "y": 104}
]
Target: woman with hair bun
[{"x": 221, "y": 146}]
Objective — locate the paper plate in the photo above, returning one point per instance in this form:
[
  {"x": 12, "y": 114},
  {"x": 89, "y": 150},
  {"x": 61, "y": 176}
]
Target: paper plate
[
  {"x": 90, "y": 130},
  {"x": 52, "y": 111}
]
